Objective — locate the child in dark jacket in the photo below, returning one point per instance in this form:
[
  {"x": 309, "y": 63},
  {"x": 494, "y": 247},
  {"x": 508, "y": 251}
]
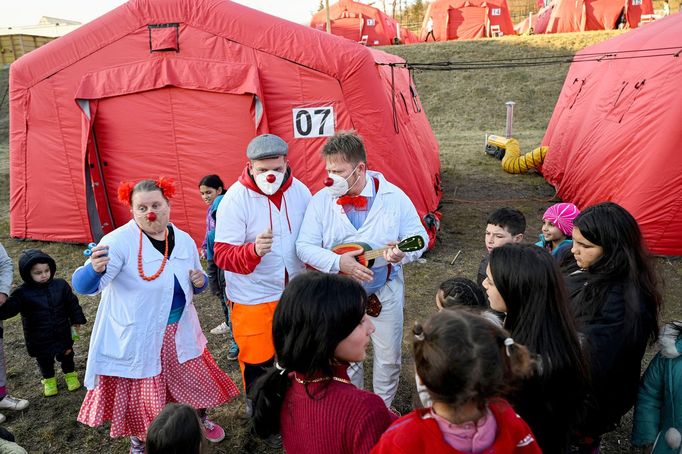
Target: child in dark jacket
[{"x": 49, "y": 310}]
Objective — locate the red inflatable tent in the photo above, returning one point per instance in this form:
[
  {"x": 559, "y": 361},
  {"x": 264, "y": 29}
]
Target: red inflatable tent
[
  {"x": 467, "y": 19},
  {"x": 615, "y": 132},
  {"x": 362, "y": 23},
  {"x": 178, "y": 88},
  {"x": 585, "y": 15},
  {"x": 538, "y": 21}
]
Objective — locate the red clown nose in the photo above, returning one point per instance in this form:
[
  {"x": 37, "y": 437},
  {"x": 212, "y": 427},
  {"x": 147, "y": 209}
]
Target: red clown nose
[
  {"x": 328, "y": 181},
  {"x": 151, "y": 217},
  {"x": 270, "y": 178}
]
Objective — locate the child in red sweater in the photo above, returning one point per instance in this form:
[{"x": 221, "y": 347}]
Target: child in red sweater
[
  {"x": 467, "y": 363},
  {"x": 319, "y": 328}
]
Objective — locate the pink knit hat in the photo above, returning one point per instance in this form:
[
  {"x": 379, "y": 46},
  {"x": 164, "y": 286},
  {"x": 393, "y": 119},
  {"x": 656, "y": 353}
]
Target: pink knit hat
[{"x": 562, "y": 216}]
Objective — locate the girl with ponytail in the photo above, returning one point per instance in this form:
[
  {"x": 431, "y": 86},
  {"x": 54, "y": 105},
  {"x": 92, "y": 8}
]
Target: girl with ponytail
[
  {"x": 319, "y": 328},
  {"x": 468, "y": 364}
]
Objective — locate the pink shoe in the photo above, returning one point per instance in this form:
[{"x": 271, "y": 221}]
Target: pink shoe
[{"x": 214, "y": 433}]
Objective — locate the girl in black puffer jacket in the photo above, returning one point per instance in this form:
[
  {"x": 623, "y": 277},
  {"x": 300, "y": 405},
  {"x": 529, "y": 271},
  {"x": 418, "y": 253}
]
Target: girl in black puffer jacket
[
  {"x": 49, "y": 310},
  {"x": 616, "y": 299}
]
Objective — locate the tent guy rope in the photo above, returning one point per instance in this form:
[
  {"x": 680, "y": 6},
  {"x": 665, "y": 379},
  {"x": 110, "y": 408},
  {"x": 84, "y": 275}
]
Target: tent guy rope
[{"x": 674, "y": 51}]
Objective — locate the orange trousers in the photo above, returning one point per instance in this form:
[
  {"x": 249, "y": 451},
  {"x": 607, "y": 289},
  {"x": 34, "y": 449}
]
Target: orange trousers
[{"x": 252, "y": 331}]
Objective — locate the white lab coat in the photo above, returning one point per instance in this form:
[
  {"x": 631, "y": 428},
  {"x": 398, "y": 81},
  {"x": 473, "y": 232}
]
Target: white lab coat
[
  {"x": 131, "y": 319},
  {"x": 242, "y": 215},
  {"x": 391, "y": 218}
]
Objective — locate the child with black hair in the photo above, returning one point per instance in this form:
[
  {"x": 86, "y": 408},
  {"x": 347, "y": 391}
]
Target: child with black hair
[
  {"x": 468, "y": 365},
  {"x": 616, "y": 298},
  {"x": 455, "y": 293},
  {"x": 524, "y": 283},
  {"x": 212, "y": 188},
  {"x": 176, "y": 430},
  {"x": 320, "y": 326},
  {"x": 460, "y": 291},
  {"x": 504, "y": 226},
  {"x": 657, "y": 421},
  {"x": 49, "y": 311}
]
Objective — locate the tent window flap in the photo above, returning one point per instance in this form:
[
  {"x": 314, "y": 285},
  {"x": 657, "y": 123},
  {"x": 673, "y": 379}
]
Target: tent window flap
[{"x": 164, "y": 37}]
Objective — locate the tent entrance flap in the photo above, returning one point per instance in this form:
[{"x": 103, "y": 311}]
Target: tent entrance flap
[
  {"x": 348, "y": 27},
  {"x": 173, "y": 131},
  {"x": 468, "y": 22}
]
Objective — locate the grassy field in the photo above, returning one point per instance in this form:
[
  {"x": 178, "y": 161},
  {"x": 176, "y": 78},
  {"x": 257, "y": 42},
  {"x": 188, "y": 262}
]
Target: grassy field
[{"x": 462, "y": 107}]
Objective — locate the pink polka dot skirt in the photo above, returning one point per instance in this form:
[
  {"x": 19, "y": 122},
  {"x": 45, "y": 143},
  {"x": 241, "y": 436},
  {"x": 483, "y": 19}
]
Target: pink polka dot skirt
[{"x": 132, "y": 404}]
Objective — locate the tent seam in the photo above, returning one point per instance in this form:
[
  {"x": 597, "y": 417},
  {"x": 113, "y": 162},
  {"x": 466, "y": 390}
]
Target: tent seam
[{"x": 175, "y": 146}]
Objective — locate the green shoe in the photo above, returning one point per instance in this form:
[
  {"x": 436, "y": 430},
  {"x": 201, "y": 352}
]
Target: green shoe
[
  {"x": 72, "y": 381},
  {"x": 49, "y": 386}
]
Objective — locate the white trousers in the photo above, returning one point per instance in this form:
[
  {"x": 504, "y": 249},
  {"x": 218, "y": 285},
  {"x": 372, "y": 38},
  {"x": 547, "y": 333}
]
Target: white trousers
[{"x": 386, "y": 342}]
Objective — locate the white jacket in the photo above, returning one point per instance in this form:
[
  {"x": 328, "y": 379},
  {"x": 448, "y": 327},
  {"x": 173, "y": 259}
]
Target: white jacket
[
  {"x": 242, "y": 215},
  {"x": 391, "y": 218},
  {"x": 132, "y": 315}
]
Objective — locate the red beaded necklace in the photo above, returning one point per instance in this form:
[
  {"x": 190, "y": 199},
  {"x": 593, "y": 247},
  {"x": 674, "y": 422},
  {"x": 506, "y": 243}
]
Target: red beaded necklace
[{"x": 140, "y": 270}]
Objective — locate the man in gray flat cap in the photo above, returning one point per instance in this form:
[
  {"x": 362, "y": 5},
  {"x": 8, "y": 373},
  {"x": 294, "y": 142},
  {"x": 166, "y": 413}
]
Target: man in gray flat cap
[{"x": 257, "y": 224}]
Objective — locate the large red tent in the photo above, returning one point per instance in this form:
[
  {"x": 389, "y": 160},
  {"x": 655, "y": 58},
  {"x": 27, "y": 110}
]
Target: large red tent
[
  {"x": 178, "y": 88},
  {"x": 467, "y": 19},
  {"x": 565, "y": 16},
  {"x": 615, "y": 132},
  {"x": 362, "y": 23}
]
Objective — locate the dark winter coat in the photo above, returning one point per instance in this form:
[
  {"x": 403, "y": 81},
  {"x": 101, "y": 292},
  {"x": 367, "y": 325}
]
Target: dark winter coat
[
  {"x": 551, "y": 402},
  {"x": 614, "y": 344},
  {"x": 47, "y": 310}
]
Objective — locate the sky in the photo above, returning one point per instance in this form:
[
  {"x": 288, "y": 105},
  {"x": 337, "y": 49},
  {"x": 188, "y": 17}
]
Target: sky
[{"x": 28, "y": 12}]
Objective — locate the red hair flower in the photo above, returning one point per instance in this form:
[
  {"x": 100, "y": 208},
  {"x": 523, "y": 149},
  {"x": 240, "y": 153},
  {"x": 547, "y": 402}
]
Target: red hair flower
[
  {"x": 167, "y": 187},
  {"x": 125, "y": 192}
]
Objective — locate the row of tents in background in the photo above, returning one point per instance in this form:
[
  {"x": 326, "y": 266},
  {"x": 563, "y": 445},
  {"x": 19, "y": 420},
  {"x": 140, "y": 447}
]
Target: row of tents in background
[{"x": 446, "y": 20}]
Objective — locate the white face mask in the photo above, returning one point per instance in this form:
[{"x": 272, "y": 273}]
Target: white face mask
[
  {"x": 269, "y": 182},
  {"x": 337, "y": 185}
]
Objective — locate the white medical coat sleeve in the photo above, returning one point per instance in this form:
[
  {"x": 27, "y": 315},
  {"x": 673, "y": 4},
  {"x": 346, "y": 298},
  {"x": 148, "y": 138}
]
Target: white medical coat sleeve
[{"x": 309, "y": 243}]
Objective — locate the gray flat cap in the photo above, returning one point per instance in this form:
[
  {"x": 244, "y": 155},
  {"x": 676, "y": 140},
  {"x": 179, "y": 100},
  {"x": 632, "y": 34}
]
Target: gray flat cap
[{"x": 266, "y": 146}]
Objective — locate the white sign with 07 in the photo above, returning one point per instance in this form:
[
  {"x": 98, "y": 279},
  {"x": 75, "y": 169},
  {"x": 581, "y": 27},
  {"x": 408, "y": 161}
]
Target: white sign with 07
[{"x": 311, "y": 122}]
